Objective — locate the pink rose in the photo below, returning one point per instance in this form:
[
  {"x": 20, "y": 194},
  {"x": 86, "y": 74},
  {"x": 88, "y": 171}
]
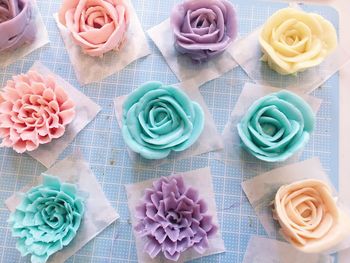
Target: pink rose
[
  {"x": 33, "y": 111},
  {"x": 98, "y": 26}
]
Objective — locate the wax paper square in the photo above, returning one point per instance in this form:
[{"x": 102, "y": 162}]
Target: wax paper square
[
  {"x": 209, "y": 140},
  {"x": 201, "y": 180},
  {"x": 85, "y": 111},
  {"x": 182, "y": 66},
  {"x": 92, "y": 69},
  {"x": 99, "y": 213}
]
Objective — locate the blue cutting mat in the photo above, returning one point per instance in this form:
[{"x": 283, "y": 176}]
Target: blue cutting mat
[{"x": 102, "y": 145}]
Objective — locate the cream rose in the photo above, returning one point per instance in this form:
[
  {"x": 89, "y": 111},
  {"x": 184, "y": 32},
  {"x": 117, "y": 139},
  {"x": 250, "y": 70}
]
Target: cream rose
[
  {"x": 293, "y": 40},
  {"x": 98, "y": 26},
  {"x": 309, "y": 217}
]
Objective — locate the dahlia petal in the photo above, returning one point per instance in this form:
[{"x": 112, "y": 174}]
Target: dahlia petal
[
  {"x": 67, "y": 116},
  {"x": 152, "y": 247}
]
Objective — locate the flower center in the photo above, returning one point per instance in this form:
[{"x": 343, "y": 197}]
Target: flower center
[
  {"x": 269, "y": 129},
  {"x": 174, "y": 217}
]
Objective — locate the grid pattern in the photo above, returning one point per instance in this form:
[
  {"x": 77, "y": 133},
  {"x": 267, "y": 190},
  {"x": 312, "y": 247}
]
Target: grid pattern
[{"x": 102, "y": 146}]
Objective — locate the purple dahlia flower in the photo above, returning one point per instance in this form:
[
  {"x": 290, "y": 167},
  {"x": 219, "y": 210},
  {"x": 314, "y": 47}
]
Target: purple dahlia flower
[
  {"x": 173, "y": 219},
  {"x": 203, "y": 29}
]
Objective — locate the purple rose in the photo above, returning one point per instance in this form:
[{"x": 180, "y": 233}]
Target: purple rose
[
  {"x": 173, "y": 219},
  {"x": 203, "y": 29},
  {"x": 16, "y": 25}
]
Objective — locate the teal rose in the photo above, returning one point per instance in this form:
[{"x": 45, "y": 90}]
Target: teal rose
[
  {"x": 158, "y": 119},
  {"x": 47, "y": 219},
  {"x": 276, "y": 126}
]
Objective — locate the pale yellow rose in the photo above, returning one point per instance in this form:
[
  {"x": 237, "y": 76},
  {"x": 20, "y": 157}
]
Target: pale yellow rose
[
  {"x": 309, "y": 216},
  {"x": 293, "y": 40}
]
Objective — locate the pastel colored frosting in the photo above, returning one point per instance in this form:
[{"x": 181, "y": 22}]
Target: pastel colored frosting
[
  {"x": 293, "y": 40},
  {"x": 203, "y": 29},
  {"x": 276, "y": 126},
  {"x": 158, "y": 119},
  {"x": 34, "y": 110},
  {"x": 97, "y": 26},
  {"x": 309, "y": 217},
  {"x": 47, "y": 219},
  {"x": 16, "y": 24},
  {"x": 173, "y": 219}
]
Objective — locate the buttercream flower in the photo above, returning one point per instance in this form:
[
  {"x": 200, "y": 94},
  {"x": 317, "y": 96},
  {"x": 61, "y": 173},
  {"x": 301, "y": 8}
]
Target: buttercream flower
[
  {"x": 47, "y": 219},
  {"x": 98, "y": 26},
  {"x": 276, "y": 126},
  {"x": 158, "y": 119},
  {"x": 203, "y": 29},
  {"x": 293, "y": 40},
  {"x": 309, "y": 217},
  {"x": 173, "y": 219},
  {"x": 16, "y": 24},
  {"x": 33, "y": 110}
]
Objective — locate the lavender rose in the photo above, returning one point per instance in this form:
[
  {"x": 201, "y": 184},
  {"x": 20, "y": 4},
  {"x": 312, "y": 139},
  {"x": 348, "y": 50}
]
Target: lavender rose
[
  {"x": 173, "y": 219},
  {"x": 203, "y": 29}
]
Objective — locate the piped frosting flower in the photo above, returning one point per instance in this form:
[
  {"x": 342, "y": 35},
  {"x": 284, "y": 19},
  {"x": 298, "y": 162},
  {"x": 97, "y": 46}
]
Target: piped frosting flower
[
  {"x": 158, "y": 119},
  {"x": 47, "y": 219},
  {"x": 173, "y": 219},
  {"x": 309, "y": 217},
  {"x": 16, "y": 24},
  {"x": 34, "y": 109},
  {"x": 97, "y": 26},
  {"x": 276, "y": 126},
  {"x": 293, "y": 40},
  {"x": 203, "y": 29}
]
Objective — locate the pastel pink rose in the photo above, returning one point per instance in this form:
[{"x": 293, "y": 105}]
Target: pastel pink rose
[
  {"x": 33, "y": 111},
  {"x": 98, "y": 26}
]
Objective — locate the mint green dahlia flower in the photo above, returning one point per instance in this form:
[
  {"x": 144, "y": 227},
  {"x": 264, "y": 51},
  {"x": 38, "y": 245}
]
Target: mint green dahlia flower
[
  {"x": 276, "y": 126},
  {"x": 47, "y": 219},
  {"x": 158, "y": 119}
]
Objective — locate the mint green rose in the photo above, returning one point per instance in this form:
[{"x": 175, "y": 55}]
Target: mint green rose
[
  {"x": 47, "y": 219},
  {"x": 158, "y": 119},
  {"x": 276, "y": 126}
]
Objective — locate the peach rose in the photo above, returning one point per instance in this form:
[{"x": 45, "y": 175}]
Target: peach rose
[
  {"x": 309, "y": 217},
  {"x": 98, "y": 26}
]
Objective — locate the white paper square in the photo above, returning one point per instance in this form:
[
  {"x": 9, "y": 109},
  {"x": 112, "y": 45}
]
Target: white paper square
[
  {"x": 85, "y": 111},
  {"x": 209, "y": 140},
  {"x": 250, "y": 93},
  {"x": 261, "y": 191},
  {"x": 264, "y": 250},
  {"x": 99, "y": 213},
  {"x": 41, "y": 39},
  {"x": 247, "y": 53},
  {"x": 92, "y": 69},
  {"x": 182, "y": 66},
  {"x": 201, "y": 180}
]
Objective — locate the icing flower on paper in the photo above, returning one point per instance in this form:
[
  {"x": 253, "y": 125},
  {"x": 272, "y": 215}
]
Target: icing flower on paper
[
  {"x": 16, "y": 24},
  {"x": 158, "y": 119},
  {"x": 203, "y": 29},
  {"x": 97, "y": 26},
  {"x": 309, "y": 217},
  {"x": 47, "y": 219},
  {"x": 33, "y": 110},
  {"x": 276, "y": 126},
  {"x": 173, "y": 219},
  {"x": 293, "y": 40}
]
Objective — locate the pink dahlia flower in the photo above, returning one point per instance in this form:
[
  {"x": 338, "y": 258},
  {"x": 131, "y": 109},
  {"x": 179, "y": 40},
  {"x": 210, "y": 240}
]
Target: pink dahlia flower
[
  {"x": 173, "y": 219},
  {"x": 33, "y": 111}
]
